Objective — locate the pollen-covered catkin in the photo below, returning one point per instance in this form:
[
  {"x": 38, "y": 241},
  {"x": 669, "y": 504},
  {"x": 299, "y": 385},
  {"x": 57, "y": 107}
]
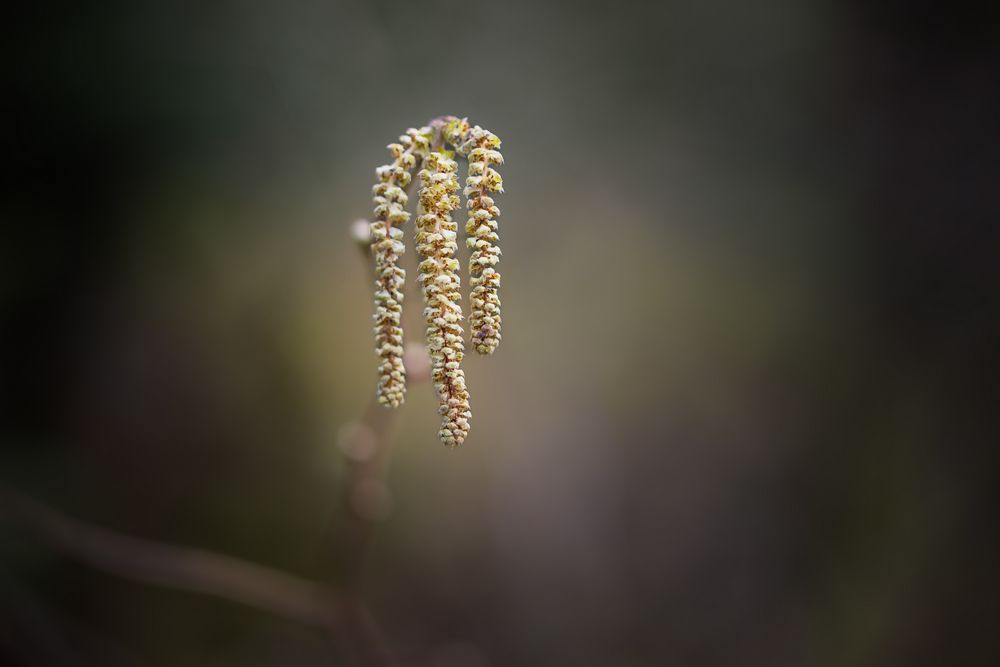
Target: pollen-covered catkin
[
  {"x": 436, "y": 243},
  {"x": 387, "y": 245},
  {"x": 480, "y": 146}
]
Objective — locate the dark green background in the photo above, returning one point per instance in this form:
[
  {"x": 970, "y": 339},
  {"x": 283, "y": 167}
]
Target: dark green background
[{"x": 744, "y": 410}]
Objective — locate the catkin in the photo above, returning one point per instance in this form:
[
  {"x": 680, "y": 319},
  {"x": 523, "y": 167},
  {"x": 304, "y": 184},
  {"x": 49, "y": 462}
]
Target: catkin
[
  {"x": 436, "y": 244},
  {"x": 480, "y": 146},
  {"x": 387, "y": 245}
]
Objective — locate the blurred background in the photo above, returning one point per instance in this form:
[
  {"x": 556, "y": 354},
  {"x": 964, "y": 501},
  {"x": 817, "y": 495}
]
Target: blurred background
[{"x": 744, "y": 408}]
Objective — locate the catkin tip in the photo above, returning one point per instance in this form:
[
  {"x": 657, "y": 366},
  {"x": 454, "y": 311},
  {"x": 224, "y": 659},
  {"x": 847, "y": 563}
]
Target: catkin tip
[
  {"x": 481, "y": 147},
  {"x": 436, "y": 240},
  {"x": 436, "y": 244},
  {"x": 386, "y": 235}
]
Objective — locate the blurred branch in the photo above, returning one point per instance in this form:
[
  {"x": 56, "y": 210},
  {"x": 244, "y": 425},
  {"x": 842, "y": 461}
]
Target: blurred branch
[
  {"x": 365, "y": 501},
  {"x": 339, "y": 608},
  {"x": 341, "y": 612},
  {"x": 183, "y": 568}
]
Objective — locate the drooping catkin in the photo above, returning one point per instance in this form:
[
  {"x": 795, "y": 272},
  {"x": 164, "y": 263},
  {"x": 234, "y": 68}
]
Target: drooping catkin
[
  {"x": 387, "y": 245},
  {"x": 480, "y": 146},
  {"x": 436, "y": 243}
]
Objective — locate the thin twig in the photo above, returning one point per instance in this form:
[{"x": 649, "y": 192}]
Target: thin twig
[
  {"x": 366, "y": 450},
  {"x": 183, "y": 568},
  {"x": 343, "y": 613}
]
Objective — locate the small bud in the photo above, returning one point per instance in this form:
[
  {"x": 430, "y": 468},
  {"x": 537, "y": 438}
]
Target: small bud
[{"x": 361, "y": 233}]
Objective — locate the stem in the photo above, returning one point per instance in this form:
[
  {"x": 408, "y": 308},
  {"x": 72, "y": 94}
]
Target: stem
[
  {"x": 339, "y": 610},
  {"x": 183, "y": 568}
]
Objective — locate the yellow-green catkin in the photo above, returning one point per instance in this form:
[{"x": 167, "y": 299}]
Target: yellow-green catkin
[
  {"x": 387, "y": 245},
  {"x": 436, "y": 243},
  {"x": 480, "y": 147}
]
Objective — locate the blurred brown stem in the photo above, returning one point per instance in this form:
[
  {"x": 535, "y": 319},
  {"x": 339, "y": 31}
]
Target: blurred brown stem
[
  {"x": 184, "y": 568},
  {"x": 341, "y": 612},
  {"x": 365, "y": 456},
  {"x": 339, "y": 609},
  {"x": 364, "y": 474}
]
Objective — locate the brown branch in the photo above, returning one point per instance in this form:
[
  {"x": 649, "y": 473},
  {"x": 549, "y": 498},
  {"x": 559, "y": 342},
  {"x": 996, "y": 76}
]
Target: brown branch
[
  {"x": 365, "y": 495},
  {"x": 342, "y": 613},
  {"x": 365, "y": 448},
  {"x": 183, "y": 568}
]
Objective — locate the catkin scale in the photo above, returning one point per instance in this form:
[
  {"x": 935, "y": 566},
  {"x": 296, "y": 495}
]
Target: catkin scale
[
  {"x": 436, "y": 244},
  {"x": 480, "y": 147},
  {"x": 436, "y": 238},
  {"x": 387, "y": 245}
]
